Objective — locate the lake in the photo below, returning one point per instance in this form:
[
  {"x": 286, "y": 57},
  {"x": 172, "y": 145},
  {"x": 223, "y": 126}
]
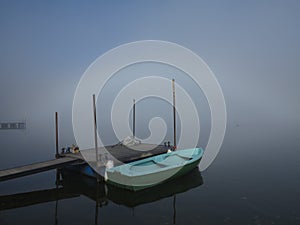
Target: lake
[{"x": 254, "y": 180}]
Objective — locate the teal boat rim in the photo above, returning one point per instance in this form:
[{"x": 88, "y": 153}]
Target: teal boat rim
[{"x": 127, "y": 169}]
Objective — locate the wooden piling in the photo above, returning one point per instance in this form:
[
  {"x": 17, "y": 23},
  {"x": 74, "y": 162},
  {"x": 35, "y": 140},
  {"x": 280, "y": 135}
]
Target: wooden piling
[
  {"x": 133, "y": 119},
  {"x": 56, "y": 135},
  {"x": 95, "y": 128},
  {"x": 174, "y": 112}
]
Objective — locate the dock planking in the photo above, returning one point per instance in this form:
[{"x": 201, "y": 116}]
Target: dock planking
[
  {"x": 120, "y": 152},
  {"x": 35, "y": 168}
]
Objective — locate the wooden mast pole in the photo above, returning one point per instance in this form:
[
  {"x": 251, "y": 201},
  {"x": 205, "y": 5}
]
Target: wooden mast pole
[
  {"x": 174, "y": 113},
  {"x": 133, "y": 119},
  {"x": 95, "y": 128},
  {"x": 56, "y": 135}
]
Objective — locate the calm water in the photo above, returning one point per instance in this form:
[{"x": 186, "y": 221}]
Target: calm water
[{"x": 254, "y": 180}]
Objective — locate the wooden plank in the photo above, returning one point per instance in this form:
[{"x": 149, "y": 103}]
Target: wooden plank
[
  {"x": 34, "y": 168},
  {"x": 120, "y": 152}
]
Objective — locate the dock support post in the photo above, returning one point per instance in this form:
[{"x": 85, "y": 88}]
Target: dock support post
[
  {"x": 133, "y": 119},
  {"x": 95, "y": 129},
  {"x": 56, "y": 135},
  {"x": 174, "y": 113}
]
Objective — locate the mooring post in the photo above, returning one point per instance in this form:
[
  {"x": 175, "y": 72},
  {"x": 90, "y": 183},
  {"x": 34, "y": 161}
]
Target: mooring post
[
  {"x": 174, "y": 113},
  {"x": 95, "y": 129},
  {"x": 56, "y": 135},
  {"x": 133, "y": 119}
]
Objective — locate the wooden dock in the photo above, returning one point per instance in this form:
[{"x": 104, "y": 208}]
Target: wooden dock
[
  {"x": 35, "y": 168},
  {"x": 120, "y": 152}
]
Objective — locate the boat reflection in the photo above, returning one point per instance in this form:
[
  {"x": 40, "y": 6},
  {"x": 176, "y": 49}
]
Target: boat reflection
[
  {"x": 102, "y": 192},
  {"x": 71, "y": 185},
  {"x": 164, "y": 190}
]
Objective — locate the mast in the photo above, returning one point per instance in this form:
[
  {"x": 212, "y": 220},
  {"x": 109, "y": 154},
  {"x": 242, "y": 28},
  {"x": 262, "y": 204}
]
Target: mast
[
  {"x": 133, "y": 119},
  {"x": 174, "y": 113},
  {"x": 56, "y": 135},
  {"x": 95, "y": 128}
]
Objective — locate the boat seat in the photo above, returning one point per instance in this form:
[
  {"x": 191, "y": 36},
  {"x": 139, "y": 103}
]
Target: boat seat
[
  {"x": 160, "y": 164},
  {"x": 185, "y": 157},
  {"x": 173, "y": 160},
  {"x": 144, "y": 168}
]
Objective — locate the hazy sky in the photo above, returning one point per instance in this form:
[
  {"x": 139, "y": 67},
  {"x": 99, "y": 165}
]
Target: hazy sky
[{"x": 251, "y": 46}]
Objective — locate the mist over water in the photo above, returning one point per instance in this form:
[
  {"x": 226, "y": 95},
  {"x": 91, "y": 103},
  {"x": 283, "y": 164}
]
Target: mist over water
[
  {"x": 252, "y": 180},
  {"x": 252, "y": 48}
]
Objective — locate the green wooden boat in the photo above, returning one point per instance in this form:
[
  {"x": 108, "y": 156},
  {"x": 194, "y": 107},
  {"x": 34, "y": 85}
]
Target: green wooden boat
[{"x": 154, "y": 170}]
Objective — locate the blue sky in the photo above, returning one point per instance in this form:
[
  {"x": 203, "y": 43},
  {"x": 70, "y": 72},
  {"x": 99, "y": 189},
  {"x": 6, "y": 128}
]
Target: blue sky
[{"x": 251, "y": 46}]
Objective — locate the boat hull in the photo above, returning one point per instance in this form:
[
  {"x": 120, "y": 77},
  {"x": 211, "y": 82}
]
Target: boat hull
[
  {"x": 150, "y": 175},
  {"x": 134, "y": 185}
]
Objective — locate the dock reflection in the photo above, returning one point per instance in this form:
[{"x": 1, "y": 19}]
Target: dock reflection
[{"x": 71, "y": 185}]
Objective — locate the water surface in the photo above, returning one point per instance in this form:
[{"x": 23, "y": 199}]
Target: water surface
[{"x": 254, "y": 180}]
